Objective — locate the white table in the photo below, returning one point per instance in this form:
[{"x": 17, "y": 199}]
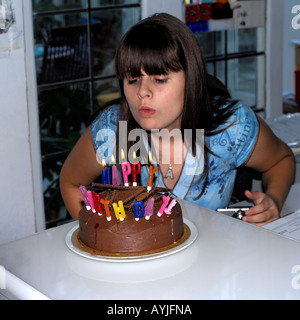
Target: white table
[{"x": 230, "y": 259}]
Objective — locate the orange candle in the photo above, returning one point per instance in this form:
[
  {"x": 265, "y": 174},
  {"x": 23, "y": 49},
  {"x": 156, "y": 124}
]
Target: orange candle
[
  {"x": 106, "y": 208},
  {"x": 152, "y": 170}
]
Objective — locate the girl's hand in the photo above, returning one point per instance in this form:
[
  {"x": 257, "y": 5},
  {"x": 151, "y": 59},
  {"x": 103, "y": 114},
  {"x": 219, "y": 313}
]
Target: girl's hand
[{"x": 264, "y": 211}]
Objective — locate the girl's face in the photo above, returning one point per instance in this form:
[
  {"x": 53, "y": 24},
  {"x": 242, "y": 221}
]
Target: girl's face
[{"x": 156, "y": 101}]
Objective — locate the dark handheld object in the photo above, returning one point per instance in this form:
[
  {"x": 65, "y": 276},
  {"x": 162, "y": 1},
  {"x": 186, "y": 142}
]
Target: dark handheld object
[{"x": 239, "y": 214}]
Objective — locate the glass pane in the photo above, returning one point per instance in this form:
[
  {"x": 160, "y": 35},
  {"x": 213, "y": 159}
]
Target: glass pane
[
  {"x": 211, "y": 43},
  {"x": 54, "y": 206},
  {"x": 217, "y": 69},
  {"x": 243, "y": 40},
  {"x": 98, "y": 3},
  {"x": 246, "y": 79},
  {"x": 64, "y": 113},
  {"x": 50, "y": 5},
  {"x": 61, "y": 47},
  {"x": 107, "y": 30}
]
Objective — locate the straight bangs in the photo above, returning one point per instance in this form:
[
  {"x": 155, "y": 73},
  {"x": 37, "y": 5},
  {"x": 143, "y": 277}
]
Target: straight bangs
[{"x": 150, "y": 48}]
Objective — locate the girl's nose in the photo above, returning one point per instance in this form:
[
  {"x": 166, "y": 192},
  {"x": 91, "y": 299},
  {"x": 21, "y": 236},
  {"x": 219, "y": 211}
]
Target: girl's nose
[{"x": 144, "y": 89}]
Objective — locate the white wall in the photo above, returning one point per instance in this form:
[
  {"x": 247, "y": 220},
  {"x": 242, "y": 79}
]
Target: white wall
[
  {"x": 173, "y": 7},
  {"x": 21, "y": 212},
  {"x": 289, "y": 34}
]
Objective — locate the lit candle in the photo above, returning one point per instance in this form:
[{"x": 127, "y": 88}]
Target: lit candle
[
  {"x": 170, "y": 207},
  {"x": 139, "y": 210},
  {"x": 149, "y": 208},
  {"x": 85, "y": 197},
  {"x": 126, "y": 169},
  {"x": 151, "y": 173},
  {"x": 119, "y": 210},
  {"x": 106, "y": 208},
  {"x": 136, "y": 169},
  {"x": 115, "y": 173},
  {"x": 90, "y": 196},
  {"x": 163, "y": 206},
  {"x": 106, "y": 178},
  {"x": 97, "y": 203}
]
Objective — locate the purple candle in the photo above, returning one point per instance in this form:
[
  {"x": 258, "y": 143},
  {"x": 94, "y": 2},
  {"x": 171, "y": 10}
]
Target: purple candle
[
  {"x": 85, "y": 197},
  {"x": 149, "y": 208},
  {"x": 115, "y": 174}
]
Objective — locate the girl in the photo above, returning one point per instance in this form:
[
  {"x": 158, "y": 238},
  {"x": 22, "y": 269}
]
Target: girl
[{"x": 164, "y": 86}]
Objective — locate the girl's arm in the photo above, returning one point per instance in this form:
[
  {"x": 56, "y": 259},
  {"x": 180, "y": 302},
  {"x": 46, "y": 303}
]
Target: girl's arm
[
  {"x": 80, "y": 168},
  {"x": 276, "y": 161}
]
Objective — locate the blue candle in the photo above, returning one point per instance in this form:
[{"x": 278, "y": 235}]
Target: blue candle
[
  {"x": 139, "y": 210},
  {"x": 106, "y": 174}
]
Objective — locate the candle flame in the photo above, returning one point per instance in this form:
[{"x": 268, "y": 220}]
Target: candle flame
[
  {"x": 122, "y": 154},
  {"x": 134, "y": 155},
  {"x": 150, "y": 157},
  {"x": 113, "y": 160},
  {"x": 103, "y": 163}
]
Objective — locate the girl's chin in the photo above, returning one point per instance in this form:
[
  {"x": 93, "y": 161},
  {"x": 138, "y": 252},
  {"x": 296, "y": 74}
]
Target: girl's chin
[{"x": 148, "y": 125}]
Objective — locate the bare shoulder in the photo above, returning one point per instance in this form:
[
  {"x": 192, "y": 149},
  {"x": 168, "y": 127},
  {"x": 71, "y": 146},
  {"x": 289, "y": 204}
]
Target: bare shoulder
[{"x": 269, "y": 149}]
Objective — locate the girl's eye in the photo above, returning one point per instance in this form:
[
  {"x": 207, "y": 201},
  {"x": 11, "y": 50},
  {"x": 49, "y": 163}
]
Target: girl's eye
[
  {"x": 132, "y": 81},
  {"x": 161, "y": 81}
]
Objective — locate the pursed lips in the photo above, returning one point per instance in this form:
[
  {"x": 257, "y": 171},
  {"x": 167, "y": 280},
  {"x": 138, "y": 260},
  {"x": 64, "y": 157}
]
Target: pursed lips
[{"x": 146, "y": 111}]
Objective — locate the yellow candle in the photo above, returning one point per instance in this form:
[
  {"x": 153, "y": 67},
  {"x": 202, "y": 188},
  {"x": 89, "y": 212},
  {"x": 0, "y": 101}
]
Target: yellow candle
[{"x": 119, "y": 210}]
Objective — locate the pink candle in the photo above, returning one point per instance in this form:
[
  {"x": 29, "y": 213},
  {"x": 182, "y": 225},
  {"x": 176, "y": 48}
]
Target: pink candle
[
  {"x": 163, "y": 206},
  {"x": 170, "y": 207},
  {"x": 115, "y": 173},
  {"x": 136, "y": 169},
  {"x": 149, "y": 208},
  {"x": 126, "y": 170},
  {"x": 90, "y": 196}
]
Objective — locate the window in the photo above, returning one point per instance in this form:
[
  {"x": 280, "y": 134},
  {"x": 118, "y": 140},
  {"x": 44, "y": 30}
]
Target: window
[
  {"x": 75, "y": 42},
  {"x": 236, "y": 57}
]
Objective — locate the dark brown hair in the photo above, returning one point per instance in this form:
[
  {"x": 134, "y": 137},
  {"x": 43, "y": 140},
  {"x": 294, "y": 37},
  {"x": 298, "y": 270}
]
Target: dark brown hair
[{"x": 160, "y": 44}]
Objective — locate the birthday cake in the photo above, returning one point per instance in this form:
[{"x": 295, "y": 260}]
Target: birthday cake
[{"x": 119, "y": 219}]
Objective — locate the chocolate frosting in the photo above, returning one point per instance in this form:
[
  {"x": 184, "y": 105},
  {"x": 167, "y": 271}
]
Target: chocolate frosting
[{"x": 129, "y": 235}]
